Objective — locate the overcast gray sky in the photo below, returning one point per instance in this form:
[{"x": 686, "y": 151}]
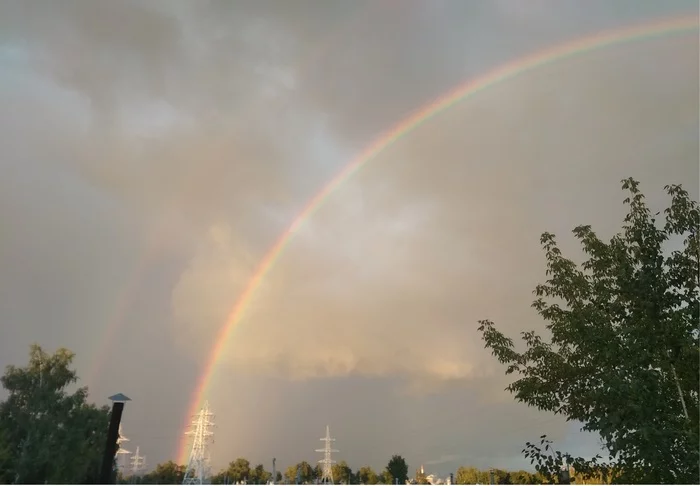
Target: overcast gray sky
[{"x": 153, "y": 151}]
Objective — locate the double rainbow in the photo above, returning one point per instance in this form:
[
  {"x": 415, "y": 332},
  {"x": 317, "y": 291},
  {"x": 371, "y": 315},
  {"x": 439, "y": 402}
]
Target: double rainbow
[{"x": 683, "y": 25}]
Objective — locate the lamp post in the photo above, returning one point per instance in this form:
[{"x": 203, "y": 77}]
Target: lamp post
[{"x": 106, "y": 474}]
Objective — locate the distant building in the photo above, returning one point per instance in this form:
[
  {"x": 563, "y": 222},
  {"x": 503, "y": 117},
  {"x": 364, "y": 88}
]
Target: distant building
[{"x": 431, "y": 478}]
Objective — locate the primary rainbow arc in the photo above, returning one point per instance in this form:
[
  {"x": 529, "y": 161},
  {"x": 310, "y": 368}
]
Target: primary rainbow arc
[{"x": 462, "y": 92}]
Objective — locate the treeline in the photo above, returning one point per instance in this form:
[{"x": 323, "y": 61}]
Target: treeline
[{"x": 241, "y": 471}]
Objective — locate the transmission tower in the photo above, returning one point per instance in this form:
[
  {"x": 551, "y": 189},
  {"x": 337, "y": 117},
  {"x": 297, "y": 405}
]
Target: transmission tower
[
  {"x": 121, "y": 452},
  {"x": 327, "y": 463},
  {"x": 138, "y": 462},
  {"x": 198, "y": 465}
]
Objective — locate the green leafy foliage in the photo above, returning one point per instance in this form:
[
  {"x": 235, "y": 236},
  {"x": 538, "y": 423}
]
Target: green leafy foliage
[
  {"x": 623, "y": 353},
  {"x": 342, "y": 474},
  {"x": 171, "y": 473},
  {"x": 398, "y": 469},
  {"x": 290, "y": 475},
  {"x": 386, "y": 478},
  {"x": 307, "y": 473},
  {"x": 258, "y": 475},
  {"x": 470, "y": 475},
  {"x": 166, "y": 473},
  {"x": 47, "y": 434},
  {"x": 237, "y": 471},
  {"x": 366, "y": 475}
]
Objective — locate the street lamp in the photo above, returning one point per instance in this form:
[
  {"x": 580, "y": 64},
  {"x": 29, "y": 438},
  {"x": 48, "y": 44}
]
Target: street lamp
[{"x": 118, "y": 401}]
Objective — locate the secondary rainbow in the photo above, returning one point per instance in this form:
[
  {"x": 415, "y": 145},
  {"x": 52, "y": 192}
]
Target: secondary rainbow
[
  {"x": 338, "y": 33},
  {"x": 472, "y": 87}
]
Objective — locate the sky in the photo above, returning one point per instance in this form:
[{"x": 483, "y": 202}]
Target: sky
[{"x": 154, "y": 151}]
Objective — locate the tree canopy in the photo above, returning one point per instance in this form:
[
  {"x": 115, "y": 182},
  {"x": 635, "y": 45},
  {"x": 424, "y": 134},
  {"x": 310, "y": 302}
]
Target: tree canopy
[
  {"x": 366, "y": 475},
  {"x": 303, "y": 470},
  {"x": 171, "y": 473},
  {"x": 397, "y": 469},
  {"x": 46, "y": 434},
  {"x": 237, "y": 471},
  {"x": 622, "y": 352},
  {"x": 342, "y": 474},
  {"x": 166, "y": 473}
]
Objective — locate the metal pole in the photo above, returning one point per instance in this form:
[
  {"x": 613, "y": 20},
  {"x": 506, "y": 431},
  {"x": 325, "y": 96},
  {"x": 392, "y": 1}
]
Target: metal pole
[
  {"x": 107, "y": 471},
  {"x": 111, "y": 445}
]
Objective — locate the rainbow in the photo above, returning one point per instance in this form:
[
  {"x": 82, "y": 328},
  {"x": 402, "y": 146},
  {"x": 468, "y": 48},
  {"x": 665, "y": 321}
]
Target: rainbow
[
  {"x": 472, "y": 87},
  {"x": 122, "y": 308},
  {"x": 306, "y": 65}
]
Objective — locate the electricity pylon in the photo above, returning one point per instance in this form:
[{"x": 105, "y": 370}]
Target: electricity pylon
[
  {"x": 327, "y": 463},
  {"x": 121, "y": 463},
  {"x": 198, "y": 465},
  {"x": 138, "y": 462}
]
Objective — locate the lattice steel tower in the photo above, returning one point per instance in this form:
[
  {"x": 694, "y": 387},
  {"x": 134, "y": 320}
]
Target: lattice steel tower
[
  {"x": 121, "y": 452},
  {"x": 327, "y": 463},
  {"x": 198, "y": 465},
  {"x": 138, "y": 462}
]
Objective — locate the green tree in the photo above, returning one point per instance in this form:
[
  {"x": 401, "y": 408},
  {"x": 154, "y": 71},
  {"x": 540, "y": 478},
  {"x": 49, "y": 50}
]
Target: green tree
[
  {"x": 290, "y": 475},
  {"x": 502, "y": 477},
  {"x": 386, "y": 478},
  {"x": 238, "y": 470},
  {"x": 623, "y": 353},
  {"x": 522, "y": 477},
  {"x": 578, "y": 478},
  {"x": 258, "y": 475},
  {"x": 471, "y": 475},
  {"x": 219, "y": 478},
  {"x": 307, "y": 473},
  {"x": 48, "y": 435},
  {"x": 467, "y": 475},
  {"x": 366, "y": 475},
  {"x": 166, "y": 473},
  {"x": 342, "y": 474},
  {"x": 398, "y": 469}
]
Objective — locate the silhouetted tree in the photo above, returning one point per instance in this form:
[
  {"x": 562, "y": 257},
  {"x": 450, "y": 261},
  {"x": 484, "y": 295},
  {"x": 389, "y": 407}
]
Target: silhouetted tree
[
  {"x": 398, "y": 469},
  {"x": 623, "y": 353},
  {"x": 46, "y": 434}
]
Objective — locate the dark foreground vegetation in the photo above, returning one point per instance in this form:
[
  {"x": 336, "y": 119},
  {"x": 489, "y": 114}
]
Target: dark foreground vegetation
[
  {"x": 621, "y": 353},
  {"x": 240, "y": 471},
  {"x": 621, "y": 356}
]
